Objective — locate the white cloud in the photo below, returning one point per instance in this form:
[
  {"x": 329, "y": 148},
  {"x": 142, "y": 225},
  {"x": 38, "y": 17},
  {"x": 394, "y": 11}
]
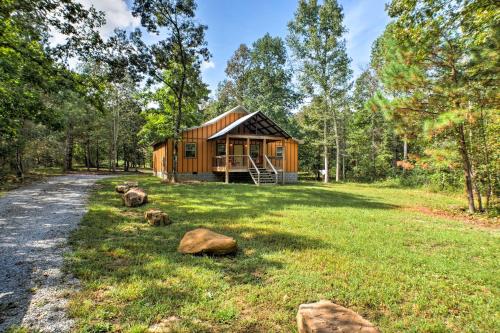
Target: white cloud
[
  {"x": 118, "y": 15},
  {"x": 207, "y": 65}
]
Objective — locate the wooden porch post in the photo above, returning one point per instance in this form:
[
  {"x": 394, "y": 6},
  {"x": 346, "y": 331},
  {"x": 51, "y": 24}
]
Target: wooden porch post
[
  {"x": 284, "y": 160},
  {"x": 227, "y": 159},
  {"x": 248, "y": 152},
  {"x": 264, "y": 151}
]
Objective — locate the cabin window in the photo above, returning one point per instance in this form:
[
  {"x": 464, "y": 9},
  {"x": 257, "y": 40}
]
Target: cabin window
[
  {"x": 279, "y": 151},
  {"x": 221, "y": 149},
  {"x": 190, "y": 150},
  {"x": 254, "y": 150}
]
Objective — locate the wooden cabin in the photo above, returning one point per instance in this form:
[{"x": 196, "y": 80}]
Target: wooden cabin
[{"x": 234, "y": 145}]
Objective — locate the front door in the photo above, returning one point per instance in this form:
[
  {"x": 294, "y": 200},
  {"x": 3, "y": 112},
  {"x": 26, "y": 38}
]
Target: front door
[
  {"x": 238, "y": 155},
  {"x": 255, "y": 152}
]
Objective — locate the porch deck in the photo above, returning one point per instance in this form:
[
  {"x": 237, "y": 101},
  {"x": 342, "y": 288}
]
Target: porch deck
[{"x": 262, "y": 171}]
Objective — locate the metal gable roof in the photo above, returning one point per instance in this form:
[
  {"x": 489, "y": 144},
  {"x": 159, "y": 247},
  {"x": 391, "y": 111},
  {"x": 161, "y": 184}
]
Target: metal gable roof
[
  {"x": 262, "y": 123},
  {"x": 239, "y": 108}
]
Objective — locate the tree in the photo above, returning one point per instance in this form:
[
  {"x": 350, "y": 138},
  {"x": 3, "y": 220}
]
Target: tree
[
  {"x": 32, "y": 70},
  {"x": 269, "y": 82},
  {"x": 175, "y": 61},
  {"x": 435, "y": 55},
  {"x": 315, "y": 36},
  {"x": 259, "y": 79},
  {"x": 310, "y": 153},
  {"x": 369, "y": 134}
]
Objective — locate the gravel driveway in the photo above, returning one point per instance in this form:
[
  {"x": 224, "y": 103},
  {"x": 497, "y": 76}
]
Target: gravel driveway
[{"x": 34, "y": 224}]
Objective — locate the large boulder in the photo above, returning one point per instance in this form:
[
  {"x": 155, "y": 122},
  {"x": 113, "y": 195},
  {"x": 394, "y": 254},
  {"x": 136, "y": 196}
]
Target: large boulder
[
  {"x": 328, "y": 317},
  {"x": 157, "y": 217},
  {"x": 135, "y": 197},
  {"x": 204, "y": 241}
]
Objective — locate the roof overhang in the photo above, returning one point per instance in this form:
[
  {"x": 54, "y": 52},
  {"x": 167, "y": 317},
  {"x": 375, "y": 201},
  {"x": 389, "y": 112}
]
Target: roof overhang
[{"x": 254, "y": 122}]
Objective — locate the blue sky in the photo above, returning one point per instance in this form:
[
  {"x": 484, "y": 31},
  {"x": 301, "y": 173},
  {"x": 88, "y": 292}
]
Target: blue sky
[{"x": 233, "y": 22}]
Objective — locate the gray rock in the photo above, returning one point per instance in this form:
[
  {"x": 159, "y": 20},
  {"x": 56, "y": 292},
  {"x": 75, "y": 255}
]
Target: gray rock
[{"x": 328, "y": 317}]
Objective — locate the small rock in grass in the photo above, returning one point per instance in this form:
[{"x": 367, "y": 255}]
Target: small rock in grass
[
  {"x": 157, "y": 217},
  {"x": 204, "y": 241},
  {"x": 135, "y": 197},
  {"x": 165, "y": 325},
  {"x": 328, "y": 317},
  {"x": 122, "y": 188}
]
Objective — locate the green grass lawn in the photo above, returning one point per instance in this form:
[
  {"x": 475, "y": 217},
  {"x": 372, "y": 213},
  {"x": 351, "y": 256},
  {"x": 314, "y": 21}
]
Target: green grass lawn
[{"x": 361, "y": 246}]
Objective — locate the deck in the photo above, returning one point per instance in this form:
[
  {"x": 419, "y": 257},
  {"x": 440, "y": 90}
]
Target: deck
[
  {"x": 244, "y": 163},
  {"x": 262, "y": 170}
]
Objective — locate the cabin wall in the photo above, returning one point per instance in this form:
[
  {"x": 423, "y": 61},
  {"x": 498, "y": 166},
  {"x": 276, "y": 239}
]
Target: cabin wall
[
  {"x": 206, "y": 150},
  {"x": 291, "y": 154}
]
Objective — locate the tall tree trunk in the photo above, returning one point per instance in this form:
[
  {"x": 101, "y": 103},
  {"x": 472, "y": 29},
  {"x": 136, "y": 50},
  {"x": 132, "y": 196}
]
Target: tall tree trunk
[
  {"x": 343, "y": 167},
  {"x": 337, "y": 147},
  {"x": 68, "y": 150},
  {"x": 110, "y": 159},
  {"x": 486, "y": 151},
  {"x": 405, "y": 152},
  {"x": 97, "y": 155},
  {"x": 372, "y": 153},
  {"x": 114, "y": 146},
  {"x": 87, "y": 153},
  {"x": 462, "y": 146},
  {"x": 478, "y": 195},
  {"x": 405, "y": 148},
  {"x": 19, "y": 163},
  {"x": 325, "y": 151}
]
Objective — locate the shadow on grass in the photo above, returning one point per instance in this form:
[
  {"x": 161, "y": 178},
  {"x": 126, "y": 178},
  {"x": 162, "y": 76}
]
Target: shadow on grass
[
  {"x": 114, "y": 245},
  {"x": 228, "y": 202},
  {"x": 216, "y": 206}
]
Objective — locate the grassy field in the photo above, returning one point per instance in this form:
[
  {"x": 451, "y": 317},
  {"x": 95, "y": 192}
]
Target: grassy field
[{"x": 377, "y": 250}]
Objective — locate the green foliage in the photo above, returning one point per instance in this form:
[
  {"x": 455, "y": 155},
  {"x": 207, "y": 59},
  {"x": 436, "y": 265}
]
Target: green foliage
[
  {"x": 175, "y": 60},
  {"x": 370, "y": 136},
  {"x": 315, "y": 37},
  {"x": 259, "y": 79},
  {"x": 435, "y": 62}
]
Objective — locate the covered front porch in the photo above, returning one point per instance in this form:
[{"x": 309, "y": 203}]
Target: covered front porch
[
  {"x": 261, "y": 156},
  {"x": 253, "y": 144}
]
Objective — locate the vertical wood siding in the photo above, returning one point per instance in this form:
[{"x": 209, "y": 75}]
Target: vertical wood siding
[
  {"x": 291, "y": 153},
  {"x": 205, "y": 150}
]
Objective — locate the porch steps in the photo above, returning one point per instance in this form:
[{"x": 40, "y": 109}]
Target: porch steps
[{"x": 266, "y": 176}]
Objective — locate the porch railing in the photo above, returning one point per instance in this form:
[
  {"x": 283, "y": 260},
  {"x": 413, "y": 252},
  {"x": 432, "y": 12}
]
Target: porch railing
[
  {"x": 235, "y": 162},
  {"x": 270, "y": 164},
  {"x": 254, "y": 171}
]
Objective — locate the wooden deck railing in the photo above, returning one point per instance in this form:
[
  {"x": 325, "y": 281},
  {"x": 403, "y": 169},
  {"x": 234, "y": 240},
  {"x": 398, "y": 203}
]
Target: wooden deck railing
[
  {"x": 236, "y": 162},
  {"x": 270, "y": 164},
  {"x": 254, "y": 171}
]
